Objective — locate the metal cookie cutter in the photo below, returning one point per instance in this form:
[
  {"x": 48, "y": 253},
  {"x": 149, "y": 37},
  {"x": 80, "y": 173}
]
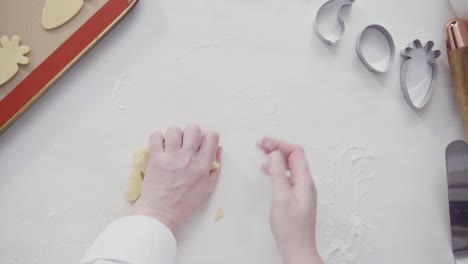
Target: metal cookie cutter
[
  {"x": 391, "y": 43},
  {"x": 416, "y": 49},
  {"x": 318, "y": 27}
]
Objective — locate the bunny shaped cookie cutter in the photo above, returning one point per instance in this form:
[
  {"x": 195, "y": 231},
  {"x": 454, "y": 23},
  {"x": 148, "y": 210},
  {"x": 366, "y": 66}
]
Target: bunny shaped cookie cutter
[
  {"x": 417, "y": 49},
  {"x": 323, "y": 11}
]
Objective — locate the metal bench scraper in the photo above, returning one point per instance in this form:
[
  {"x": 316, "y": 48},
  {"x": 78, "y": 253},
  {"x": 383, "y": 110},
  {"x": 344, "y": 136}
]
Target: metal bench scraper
[{"x": 457, "y": 179}]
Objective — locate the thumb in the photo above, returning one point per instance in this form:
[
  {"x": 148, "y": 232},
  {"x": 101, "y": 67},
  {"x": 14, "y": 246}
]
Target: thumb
[{"x": 275, "y": 167}]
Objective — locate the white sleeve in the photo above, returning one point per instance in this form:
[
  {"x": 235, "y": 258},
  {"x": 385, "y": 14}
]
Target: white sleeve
[{"x": 133, "y": 240}]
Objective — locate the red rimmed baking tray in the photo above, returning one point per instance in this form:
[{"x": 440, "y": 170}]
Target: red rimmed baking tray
[{"x": 52, "y": 52}]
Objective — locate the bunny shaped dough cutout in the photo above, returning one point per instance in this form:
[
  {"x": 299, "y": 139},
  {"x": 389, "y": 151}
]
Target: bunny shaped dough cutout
[{"x": 11, "y": 54}]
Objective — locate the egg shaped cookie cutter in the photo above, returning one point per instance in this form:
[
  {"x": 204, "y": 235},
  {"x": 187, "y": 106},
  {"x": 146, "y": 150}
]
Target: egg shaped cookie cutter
[
  {"x": 391, "y": 43},
  {"x": 318, "y": 29},
  {"x": 430, "y": 57}
]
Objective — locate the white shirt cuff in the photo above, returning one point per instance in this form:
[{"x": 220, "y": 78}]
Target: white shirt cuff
[{"x": 134, "y": 240}]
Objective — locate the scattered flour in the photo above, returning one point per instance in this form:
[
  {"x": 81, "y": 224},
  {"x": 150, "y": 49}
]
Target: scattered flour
[
  {"x": 57, "y": 147},
  {"x": 122, "y": 82},
  {"x": 52, "y": 214},
  {"x": 340, "y": 225},
  {"x": 275, "y": 102},
  {"x": 329, "y": 146},
  {"x": 272, "y": 102},
  {"x": 268, "y": 102},
  {"x": 206, "y": 45},
  {"x": 241, "y": 89}
]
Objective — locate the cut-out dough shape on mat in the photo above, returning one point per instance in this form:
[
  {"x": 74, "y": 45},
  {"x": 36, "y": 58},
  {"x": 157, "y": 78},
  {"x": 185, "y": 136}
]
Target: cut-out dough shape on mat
[
  {"x": 59, "y": 12},
  {"x": 11, "y": 54}
]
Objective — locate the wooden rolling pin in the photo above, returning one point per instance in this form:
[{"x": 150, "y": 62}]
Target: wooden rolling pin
[{"x": 456, "y": 33}]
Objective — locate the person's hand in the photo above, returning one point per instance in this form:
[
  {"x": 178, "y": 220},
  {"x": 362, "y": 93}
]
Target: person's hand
[
  {"x": 294, "y": 201},
  {"x": 179, "y": 177}
]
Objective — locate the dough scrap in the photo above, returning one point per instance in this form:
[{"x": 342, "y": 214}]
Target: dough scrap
[
  {"x": 215, "y": 165},
  {"x": 11, "y": 54},
  {"x": 59, "y": 12},
  {"x": 137, "y": 173},
  {"x": 219, "y": 215}
]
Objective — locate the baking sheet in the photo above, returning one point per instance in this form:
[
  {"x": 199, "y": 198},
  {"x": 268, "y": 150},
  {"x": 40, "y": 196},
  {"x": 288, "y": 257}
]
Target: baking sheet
[{"x": 23, "y": 18}]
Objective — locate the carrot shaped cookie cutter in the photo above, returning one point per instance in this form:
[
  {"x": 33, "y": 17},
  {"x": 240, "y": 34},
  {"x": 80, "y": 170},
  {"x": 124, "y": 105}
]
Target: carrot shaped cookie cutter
[
  {"x": 425, "y": 54},
  {"x": 331, "y": 8}
]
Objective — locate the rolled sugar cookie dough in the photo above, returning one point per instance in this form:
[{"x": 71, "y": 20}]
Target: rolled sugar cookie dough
[
  {"x": 137, "y": 173},
  {"x": 59, "y": 12},
  {"x": 135, "y": 182}
]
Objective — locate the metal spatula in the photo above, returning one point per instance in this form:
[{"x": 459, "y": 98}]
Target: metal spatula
[{"x": 457, "y": 179}]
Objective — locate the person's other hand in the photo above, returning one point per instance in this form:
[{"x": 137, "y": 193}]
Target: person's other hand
[
  {"x": 179, "y": 177},
  {"x": 294, "y": 201}
]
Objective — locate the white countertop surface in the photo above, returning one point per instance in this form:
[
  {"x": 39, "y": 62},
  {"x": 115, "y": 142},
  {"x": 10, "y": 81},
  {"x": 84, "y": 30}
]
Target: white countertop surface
[{"x": 246, "y": 69}]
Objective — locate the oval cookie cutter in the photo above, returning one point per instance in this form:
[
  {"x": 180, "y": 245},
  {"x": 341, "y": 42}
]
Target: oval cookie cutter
[
  {"x": 391, "y": 43},
  {"x": 430, "y": 57},
  {"x": 340, "y": 4}
]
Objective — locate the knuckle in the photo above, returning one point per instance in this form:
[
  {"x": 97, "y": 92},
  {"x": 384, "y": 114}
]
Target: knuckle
[
  {"x": 173, "y": 164},
  {"x": 174, "y": 129},
  {"x": 193, "y": 127},
  {"x": 300, "y": 149},
  {"x": 156, "y": 134},
  {"x": 212, "y": 134}
]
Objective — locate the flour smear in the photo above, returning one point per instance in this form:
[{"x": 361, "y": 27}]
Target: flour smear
[
  {"x": 122, "y": 83},
  {"x": 342, "y": 186}
]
